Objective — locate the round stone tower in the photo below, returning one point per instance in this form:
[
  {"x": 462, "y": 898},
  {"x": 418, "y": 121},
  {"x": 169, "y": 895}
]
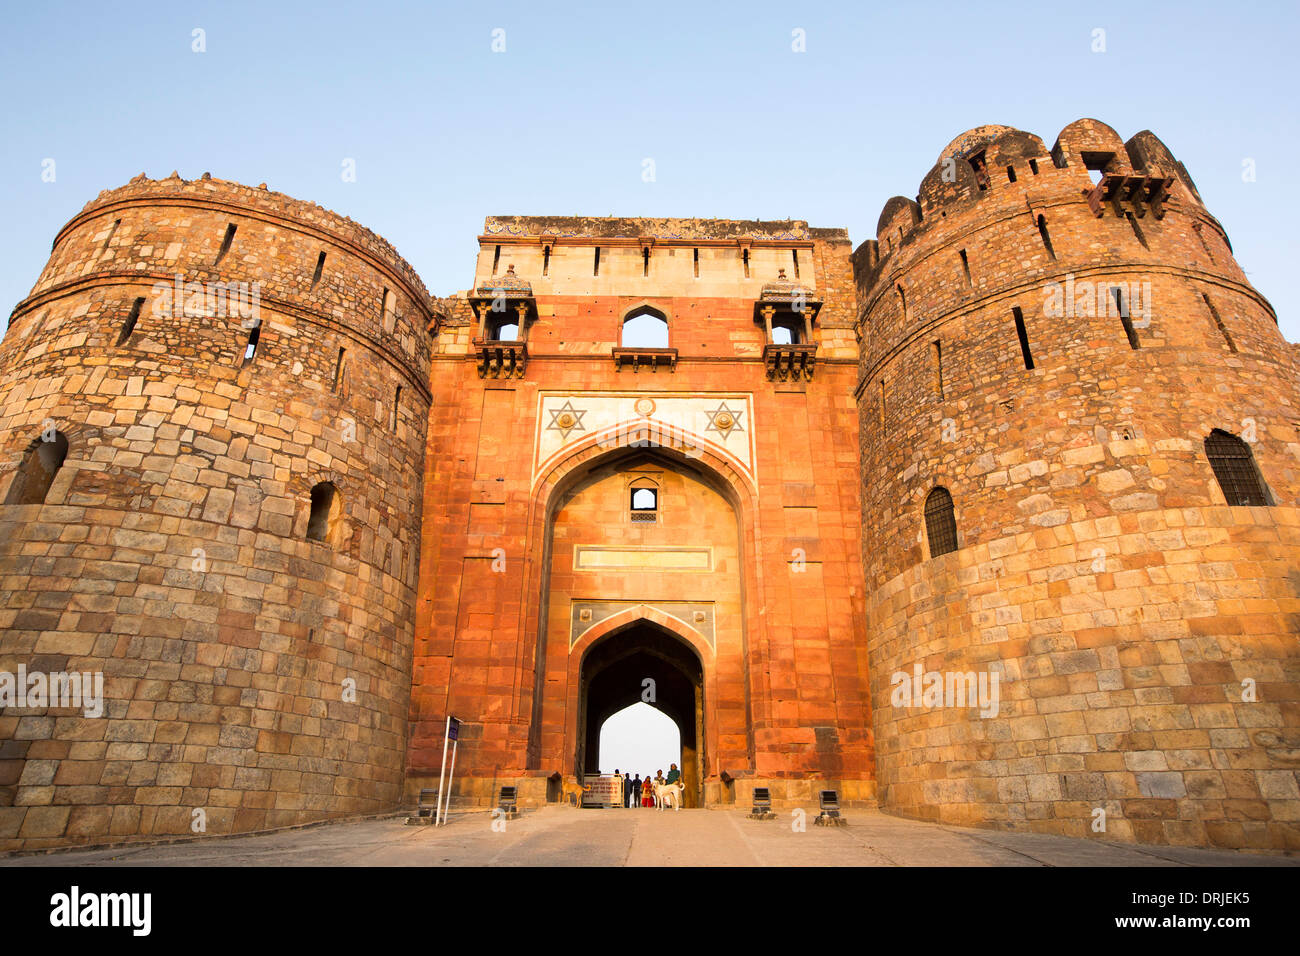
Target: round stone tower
[
  {"x": 213, "y": 408},
  {"x": 1081, "y": 462}
]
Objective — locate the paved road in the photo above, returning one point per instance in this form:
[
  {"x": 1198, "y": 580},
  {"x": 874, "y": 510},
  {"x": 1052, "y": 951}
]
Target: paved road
[{"x": 564, "y": 836}]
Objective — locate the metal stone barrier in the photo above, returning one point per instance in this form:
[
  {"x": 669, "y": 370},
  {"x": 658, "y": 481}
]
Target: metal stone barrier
[
  {"x": 762, "y": 805},
  {"x": 426, "y": 809},
  {"x": 830, "y": 807},
  {"x": 509, "y": 802}
]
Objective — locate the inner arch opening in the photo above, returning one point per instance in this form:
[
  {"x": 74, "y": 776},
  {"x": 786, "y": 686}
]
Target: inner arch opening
[
  {"x": 639, "y": 740},
  {"x": 643, "y": 664}
]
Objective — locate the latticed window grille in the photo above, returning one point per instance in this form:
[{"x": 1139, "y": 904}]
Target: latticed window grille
[
  {"x": 940, "y": 525},
  {"x": 1234, "y": 467}
]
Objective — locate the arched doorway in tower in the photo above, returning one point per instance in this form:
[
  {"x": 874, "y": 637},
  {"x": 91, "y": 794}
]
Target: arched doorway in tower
[{"x": 643, "y": 663}]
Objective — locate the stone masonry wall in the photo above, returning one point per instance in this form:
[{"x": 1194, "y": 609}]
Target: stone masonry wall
[
  {"x": 1099, "y": 571},
  {"x": 249, "y": 672}
]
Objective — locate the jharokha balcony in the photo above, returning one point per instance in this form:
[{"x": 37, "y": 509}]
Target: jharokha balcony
[
  {"x": 788, "y": 312},
  {"x": 506, "y": 309},
  {"x": 1140, "y": 192},
  {"x": 785, "y": 362}
]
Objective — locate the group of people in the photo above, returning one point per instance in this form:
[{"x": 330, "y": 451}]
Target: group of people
[{"x": 638, "y": 792}]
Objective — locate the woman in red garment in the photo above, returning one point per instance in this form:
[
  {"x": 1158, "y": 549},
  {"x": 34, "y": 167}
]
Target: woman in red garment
[{"x": 648, "y": 794}]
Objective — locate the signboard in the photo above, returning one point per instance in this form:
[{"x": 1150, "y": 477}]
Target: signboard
[
  {"x": 453, "y": 728},
  {"x": 606, "y": 790}
]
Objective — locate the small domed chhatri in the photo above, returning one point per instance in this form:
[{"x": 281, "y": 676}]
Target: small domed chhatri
[
  {"x": 508, "y": 284},
  {"x": 990, "y": 520},
  {"x": 784, "y": 289}
]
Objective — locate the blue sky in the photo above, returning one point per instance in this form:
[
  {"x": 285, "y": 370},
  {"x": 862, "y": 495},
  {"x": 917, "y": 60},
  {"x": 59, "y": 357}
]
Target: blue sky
[{"x": 444, "y": 131}]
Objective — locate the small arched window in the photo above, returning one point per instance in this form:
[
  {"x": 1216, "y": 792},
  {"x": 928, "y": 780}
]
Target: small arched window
[
  {"x": 1234, "y": 467},
  {"x": 326, "y": 508},
  {"x": 645, "y": 329},
  {"x": 940, "y": 525},
  {"x": 504, "y": 332},
  {"x": 36, "y": 475},
  {"x": 644, "y": 500}
]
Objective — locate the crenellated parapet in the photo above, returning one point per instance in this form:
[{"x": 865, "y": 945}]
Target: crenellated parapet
[
  {"x": 254, "y": 201},
  {"x": 997, "y": 192},
  {"x": 297, "y": 257}
]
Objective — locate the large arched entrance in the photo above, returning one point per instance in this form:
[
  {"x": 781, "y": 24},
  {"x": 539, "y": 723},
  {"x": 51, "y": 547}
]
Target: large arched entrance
[
  {"x": 643, "y": 662},
  {"x": 674, "y": 569}
]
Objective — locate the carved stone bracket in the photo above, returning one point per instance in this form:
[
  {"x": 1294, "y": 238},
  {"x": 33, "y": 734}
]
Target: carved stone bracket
[
  {"x": 1140, "y": 192},
  {"x": 645, "y": 358},
  {"x": 785, "y": 362},
  {"x": 500, "y": 359}
]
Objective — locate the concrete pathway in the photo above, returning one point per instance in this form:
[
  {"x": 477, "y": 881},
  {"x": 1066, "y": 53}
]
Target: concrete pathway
[{"x": 564, "y": 836}]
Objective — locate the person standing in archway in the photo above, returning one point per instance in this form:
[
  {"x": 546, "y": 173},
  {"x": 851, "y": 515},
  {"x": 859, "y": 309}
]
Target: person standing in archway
[
  {"x": 636, "y": 792},
  {"x": 675, "y": 778},
  {"x": 627, "y": 790},
  {"x": 648, "y": 792}
]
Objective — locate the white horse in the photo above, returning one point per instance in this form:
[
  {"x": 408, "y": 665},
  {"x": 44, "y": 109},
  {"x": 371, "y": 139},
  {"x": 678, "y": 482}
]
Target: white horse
[{"x": 665, "y": 792}]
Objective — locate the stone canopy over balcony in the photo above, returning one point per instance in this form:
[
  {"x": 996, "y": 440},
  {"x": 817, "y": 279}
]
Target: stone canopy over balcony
[
  {"x": 505, "y": 308},
  {"x": 788, "y": 312}
]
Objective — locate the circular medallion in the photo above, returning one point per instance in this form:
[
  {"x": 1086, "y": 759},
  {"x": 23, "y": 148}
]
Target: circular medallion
[
  {"x": 645, "y": 407},
  {"x": 723, "y": 421},
  {"x": 566, "y": 420}
]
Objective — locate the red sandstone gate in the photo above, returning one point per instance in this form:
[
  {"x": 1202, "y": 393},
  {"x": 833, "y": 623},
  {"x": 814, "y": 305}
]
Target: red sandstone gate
[{"x": 589, "y": 478}]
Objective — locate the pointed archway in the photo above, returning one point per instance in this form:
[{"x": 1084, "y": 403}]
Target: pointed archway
[{"x": 645, "y": 662}]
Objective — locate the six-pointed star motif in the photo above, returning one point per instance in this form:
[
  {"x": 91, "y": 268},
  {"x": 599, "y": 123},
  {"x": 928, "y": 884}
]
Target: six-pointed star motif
[
  {"x": 724, "y": 420},
  {"x": 566, "y": 419}
]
